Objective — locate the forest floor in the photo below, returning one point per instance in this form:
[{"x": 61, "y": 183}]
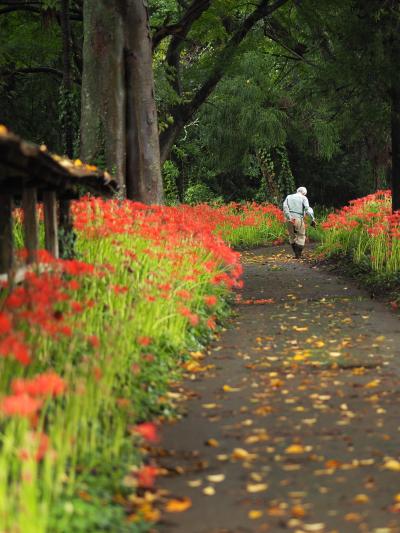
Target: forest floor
[{"x": 294, "y": 423}]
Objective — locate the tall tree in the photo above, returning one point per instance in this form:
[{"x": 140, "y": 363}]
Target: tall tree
[
  {"x": 66, "y": 88},
  {"x": 119, "y": 118},
  {"x": 394, "y": 55}
]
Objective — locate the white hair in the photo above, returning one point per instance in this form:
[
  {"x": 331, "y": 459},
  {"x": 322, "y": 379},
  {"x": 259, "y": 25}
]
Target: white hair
[{"x": 302, "y": 190}]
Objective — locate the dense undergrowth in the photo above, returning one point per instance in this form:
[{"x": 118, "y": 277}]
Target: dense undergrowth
[{"x": 91, "y": 346}]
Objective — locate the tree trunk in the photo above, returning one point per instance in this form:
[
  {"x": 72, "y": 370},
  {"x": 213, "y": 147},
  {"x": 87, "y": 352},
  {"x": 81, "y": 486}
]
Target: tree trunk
[
  {"x": 168, "y": 138},
  {"x": 143, "y": 171},
  {"x": 103, "y": 88},
  {"x": 66, "y": 126},
  {"x": 395, "y": 130},
  {"x": 395, "y": 114},
  {"x": 118, "y": 117}
]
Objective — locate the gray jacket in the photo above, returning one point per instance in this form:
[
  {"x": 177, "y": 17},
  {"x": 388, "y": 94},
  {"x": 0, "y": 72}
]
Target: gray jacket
[{"x": 296, "y": 206}]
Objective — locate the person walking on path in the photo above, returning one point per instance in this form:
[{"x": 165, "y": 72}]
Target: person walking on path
[{"x": 295, "y": 207}]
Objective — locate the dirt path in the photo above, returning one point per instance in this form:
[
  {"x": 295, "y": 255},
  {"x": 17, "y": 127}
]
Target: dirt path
[{"x": 304, "y": 408}]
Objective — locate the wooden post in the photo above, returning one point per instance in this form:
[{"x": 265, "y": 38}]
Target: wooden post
[
  {"x": 29, "y": 203},
  {"x": 6, "y": 233},
  {"x": 50, "y": 222},
  {"x": 66, "y": 236}
]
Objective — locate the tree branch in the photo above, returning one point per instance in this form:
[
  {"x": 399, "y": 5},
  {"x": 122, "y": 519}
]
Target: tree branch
[
  {"x": 183, "y": 113},
  {"x": 11, "y": 9},
  {"x": 34, "y": 7},
  {"x": 34, "y": 70},
  {"x": 263, "y": 10},
  {"x": 181, "y": 28}
]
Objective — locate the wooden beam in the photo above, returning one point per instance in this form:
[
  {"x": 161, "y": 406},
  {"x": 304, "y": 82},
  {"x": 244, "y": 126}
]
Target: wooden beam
[
  {"x": 6, "y": 233},
  {"x": 29, "y": 205},
  {"x": 50, "y": 222}
]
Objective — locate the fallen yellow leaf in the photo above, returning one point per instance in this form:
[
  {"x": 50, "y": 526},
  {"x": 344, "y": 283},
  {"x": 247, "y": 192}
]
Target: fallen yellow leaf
[
  {"x": 240, "y": 453},
  {"x": 256, "y": 487},
  {"x": 319, "y": 526},
  {"x": 216, "y": 478},
  {"x": 209, "y": 405},
  {"x": 195, "y": 483},
  {"x": 295, "y": 448},
  {"x": 255, "y": 514},
  {"x": 228, "y": 388},
  {"x": 372, "y": 384},
  {"x": 353, "y": 517},
  {"x": 392, "y": 464},
  {"x": 209, "y": 491},
  {"x": 361, "y": 498},
  {"x": 178, "y": 506},
  {"x": 298, "y": 511}
]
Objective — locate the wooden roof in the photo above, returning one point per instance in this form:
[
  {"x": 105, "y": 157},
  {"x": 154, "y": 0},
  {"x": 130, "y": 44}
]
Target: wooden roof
[{"x": 24, "y": 164}]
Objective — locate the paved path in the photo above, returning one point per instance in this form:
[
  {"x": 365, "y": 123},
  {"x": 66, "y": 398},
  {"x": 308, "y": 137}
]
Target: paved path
[{"x": 308, "y": 439}]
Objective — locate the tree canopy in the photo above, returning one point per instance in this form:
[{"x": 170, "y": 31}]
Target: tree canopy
[{"x": 252, "y": 98}]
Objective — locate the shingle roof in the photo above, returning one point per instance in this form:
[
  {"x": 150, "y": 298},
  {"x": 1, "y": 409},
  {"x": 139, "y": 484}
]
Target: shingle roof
[{"x": 23, "y": 163}]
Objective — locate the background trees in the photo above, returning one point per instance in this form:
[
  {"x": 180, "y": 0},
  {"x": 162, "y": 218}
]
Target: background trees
[{"x": 251, "y": 97}]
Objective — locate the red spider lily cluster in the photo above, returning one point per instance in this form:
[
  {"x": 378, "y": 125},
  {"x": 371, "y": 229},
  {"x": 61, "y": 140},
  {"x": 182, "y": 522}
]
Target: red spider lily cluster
[
  {"x": 45, "y": 303},
  {"x": 39, "y": 307},
  {"x": 167, "y": 228},
  {"x": 199, "y": 220},
  {"x": 373, "y": 210},
  {"x": 163, "y": 270},
  {"x": 368, "y": 230}
]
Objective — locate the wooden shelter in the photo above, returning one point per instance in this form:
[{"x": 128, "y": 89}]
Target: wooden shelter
[{"x": 30, "y": 173}]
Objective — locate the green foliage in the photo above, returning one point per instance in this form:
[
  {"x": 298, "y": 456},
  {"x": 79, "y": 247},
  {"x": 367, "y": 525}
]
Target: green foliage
[
  {"x": 170, "y": 172},
  {"x": 30, "y": 100},
  {"x": 199, "y": 194}
]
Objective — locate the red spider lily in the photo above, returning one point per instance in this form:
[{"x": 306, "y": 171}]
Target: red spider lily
[
  {"x": 119, "y": 289},
  {"x": 144, "y": 341},
  {"x": 148, "y": 430},
  {"x": 184, "y": 294},
  {"x": 97, "y": 373},
  {"x": 76, "y": 268},
  {"x": 94, "y": 341},
  {"x": 21, "y": 405},
  {"x": 210, "y": 300},
  {"x": 76, "y": 307},
  {"x": 38, "y": 446},
  {"x": 123, "y": 403},
  {"x": 135, "y": 369},
  {"x": 211, "y": 323},
  {"x": 192, "y": 317},
  {"x": 146, "y": 476},
  {"x": 5, "y": 324},
  {"x": 46, "y": 384},
  {"x": 13, "y": 346}
]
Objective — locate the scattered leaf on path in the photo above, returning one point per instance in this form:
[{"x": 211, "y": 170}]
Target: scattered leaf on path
[
  {"x": 178, "y": 506},
  {"x": 216, "y": 478},
  {"x": 256, "y": 487}
]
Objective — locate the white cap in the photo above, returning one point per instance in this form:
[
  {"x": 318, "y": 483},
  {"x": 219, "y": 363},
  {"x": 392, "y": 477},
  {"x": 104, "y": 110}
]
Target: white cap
[{"x": 302, "y": 190}]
